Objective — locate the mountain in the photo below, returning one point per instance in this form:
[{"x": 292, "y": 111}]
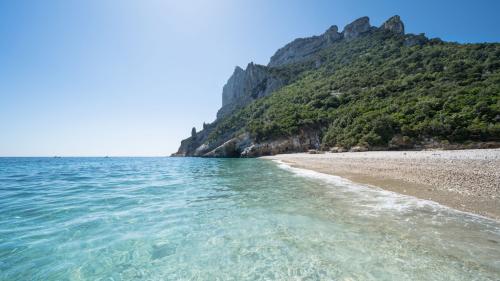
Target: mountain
[{"x": 365, "y": 88}]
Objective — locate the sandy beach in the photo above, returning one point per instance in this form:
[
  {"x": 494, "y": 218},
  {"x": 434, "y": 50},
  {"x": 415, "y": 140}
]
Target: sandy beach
[{"x": 467, "y": 180}]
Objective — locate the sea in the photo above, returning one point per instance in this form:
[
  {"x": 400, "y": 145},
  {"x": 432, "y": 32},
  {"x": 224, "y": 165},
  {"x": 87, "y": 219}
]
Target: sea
[{"x": 167, "y": 218}]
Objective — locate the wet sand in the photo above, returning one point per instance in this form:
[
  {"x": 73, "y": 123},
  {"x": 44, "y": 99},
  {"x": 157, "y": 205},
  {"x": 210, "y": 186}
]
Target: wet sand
[{"x": 467, "y": 180}]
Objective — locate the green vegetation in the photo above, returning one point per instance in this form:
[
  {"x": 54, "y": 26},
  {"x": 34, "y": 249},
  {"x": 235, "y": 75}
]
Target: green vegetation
[{"x": 375, "y": 91}]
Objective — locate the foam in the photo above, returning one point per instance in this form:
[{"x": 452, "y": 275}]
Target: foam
[{"x": 377, "y": 200}]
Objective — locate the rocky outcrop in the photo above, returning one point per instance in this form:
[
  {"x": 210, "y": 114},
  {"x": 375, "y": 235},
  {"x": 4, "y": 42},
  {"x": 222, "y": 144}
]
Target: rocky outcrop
[
  {"x": 299, "y": 143},
  {"x": 394, "y": 24},
  {"x": 230, "y": 148},
  {"x": 244, "y": 86},
  {"x": 196, "y": 144},
  {"x": 413, "y": 40},
  {"x": 357, "y": 28},
  {"x": 233, "y": 89},
  {"x": 244, "y": 146},
  {"x": 257, "y": 81},
  {"x": 302, "y": 48}
]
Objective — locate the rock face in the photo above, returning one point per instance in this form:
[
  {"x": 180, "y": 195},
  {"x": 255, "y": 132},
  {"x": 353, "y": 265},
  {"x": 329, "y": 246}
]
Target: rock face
[
  {"x": 357, "y": 28},
  {"x": 299, "y": 143},
  {"x": 195, "y": 145},
  {"x": 257, "y": 81},
  {"x": 300, "y": 49},
  {"x": 244, "y": 146},
  {"x": 233, "y": 89},
  {"x": 244, "y": 86},
  {"x": 395, "y": 25}
]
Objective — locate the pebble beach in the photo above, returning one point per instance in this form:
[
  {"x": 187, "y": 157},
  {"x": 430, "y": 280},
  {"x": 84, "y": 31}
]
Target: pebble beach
[{"x": 467, "y": 180}]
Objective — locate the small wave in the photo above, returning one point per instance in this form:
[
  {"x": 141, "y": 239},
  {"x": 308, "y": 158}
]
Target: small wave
[{"x": 376, "y": 199}]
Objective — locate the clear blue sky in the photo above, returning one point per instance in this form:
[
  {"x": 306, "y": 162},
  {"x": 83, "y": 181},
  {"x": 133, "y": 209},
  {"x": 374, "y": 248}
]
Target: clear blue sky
[{"x": 103, "y": 77}]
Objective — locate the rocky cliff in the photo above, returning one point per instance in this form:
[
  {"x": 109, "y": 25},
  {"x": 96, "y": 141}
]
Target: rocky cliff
[
  {"x": 354, "y": 90},
  {"x": 357, "y": 28},
  {"x": 257, "y": 81},
  {"x": 395, "y": 25},
  {"x": 244, "y": 86},
  {"x": 302, "y": 48}
]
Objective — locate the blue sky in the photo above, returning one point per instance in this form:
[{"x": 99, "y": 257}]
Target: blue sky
[{"x": 118, "y": 77}]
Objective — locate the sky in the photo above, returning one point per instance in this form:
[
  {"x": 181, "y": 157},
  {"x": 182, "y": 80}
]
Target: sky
[{"x": 131, "y": 78}]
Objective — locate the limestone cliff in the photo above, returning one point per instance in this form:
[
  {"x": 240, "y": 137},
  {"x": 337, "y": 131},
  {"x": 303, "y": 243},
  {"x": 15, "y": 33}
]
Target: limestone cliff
[
  {"x": 257, "y": 81},
  {"x": 357, "y": 28},
  {"x": 244, "y": 86},
  {"x": 395, "y": 25},
  {"x": 302, "y": 48}
]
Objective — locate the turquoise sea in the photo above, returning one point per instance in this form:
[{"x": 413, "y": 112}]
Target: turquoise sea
[{"x": 225, "y": 219}]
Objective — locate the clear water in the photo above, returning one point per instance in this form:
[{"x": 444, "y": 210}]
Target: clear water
[{"x": 225, "y": 219}]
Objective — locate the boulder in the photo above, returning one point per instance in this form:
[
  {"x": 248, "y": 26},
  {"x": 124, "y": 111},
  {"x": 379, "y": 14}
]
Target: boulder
[
  {"x": 400, "y": 142},
  {"x": 358, "y": 148},
  {"x": 338, "y": 149}
]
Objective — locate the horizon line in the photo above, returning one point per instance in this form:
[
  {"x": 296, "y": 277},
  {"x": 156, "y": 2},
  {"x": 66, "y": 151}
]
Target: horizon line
[{"x": 80, "y": 156}]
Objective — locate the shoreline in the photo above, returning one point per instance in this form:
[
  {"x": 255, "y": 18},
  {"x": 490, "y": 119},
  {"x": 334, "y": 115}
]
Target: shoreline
[{"x": 466, "y": 180}]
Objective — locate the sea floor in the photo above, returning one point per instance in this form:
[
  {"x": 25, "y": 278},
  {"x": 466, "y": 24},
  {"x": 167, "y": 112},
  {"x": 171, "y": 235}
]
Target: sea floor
[{"x": 225, "y": 219}]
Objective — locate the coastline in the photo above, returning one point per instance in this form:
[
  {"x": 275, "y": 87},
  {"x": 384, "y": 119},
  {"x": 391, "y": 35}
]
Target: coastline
[{"x": 466, "y": 180}]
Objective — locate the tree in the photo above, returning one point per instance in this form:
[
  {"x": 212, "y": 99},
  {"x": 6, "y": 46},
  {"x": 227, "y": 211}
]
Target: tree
[{"x": 193, "y": 133}]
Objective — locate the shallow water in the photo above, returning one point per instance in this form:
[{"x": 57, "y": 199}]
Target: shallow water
[{"x": 225, "y": 219}]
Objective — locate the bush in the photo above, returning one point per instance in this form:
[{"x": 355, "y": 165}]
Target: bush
[{"x": 375, "y": 91}]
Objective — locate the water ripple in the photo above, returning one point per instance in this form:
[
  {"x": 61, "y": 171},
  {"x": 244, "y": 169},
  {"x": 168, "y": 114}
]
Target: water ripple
[{"x": 224, "y": 219}]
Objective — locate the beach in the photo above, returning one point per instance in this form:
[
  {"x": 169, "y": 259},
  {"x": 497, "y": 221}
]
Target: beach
[{"x": 466, "y": 180}]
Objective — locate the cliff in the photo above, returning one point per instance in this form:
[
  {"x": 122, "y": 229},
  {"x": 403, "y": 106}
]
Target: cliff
[
  {"x": 363, "y": 88},
  {"x": 244, "y": 86},
  {"x": 257, "y": 81}
]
